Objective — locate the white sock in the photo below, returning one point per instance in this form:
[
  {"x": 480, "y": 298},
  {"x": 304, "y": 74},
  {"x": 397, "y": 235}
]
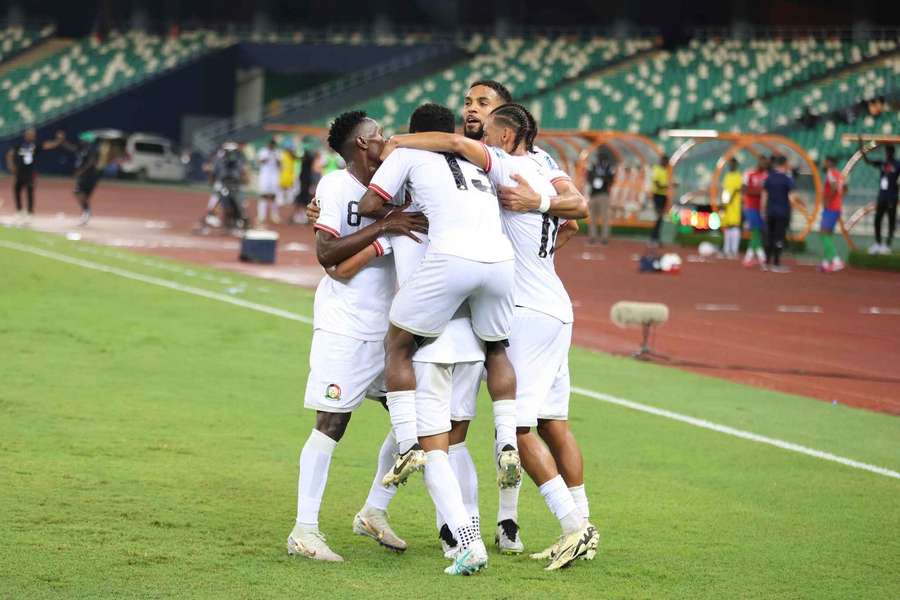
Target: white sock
[
  {"x": 735, "y": 241},
  {"x": 581, "y": 501},
  {"x": 761, "y": 254},
  {"x": 505, "y": 423},
  {"x": 748, "y": 254},
  {"x": 447, "y": 497},
  {"x": 261, "y": 209},
  {"x": 211, "y": 204},
  {"x": 315, "y": 458},
  {"x": 380, "y": 496},
  {"x": 464, "y": 468},
  {"x": 402, "y": 406},
  {"x": 509, "y": 503},
  {"x": 560, "y": 502}
]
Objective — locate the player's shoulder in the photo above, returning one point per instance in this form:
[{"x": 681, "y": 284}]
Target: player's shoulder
[
  {"x": 334, "y": 182},
  {"x": 543, "y": 156},
  {"x": 414, "y": 154}
]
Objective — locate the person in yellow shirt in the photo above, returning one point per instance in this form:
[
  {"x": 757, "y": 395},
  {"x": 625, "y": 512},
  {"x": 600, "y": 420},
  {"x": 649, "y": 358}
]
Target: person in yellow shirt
[
  {"x": 731, "y": 210},
  {"x": 659, "y": 186},
  {"x": 287, "y": 179}
]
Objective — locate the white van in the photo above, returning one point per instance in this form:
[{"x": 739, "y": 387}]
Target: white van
[{"x": 152, "y": 157}]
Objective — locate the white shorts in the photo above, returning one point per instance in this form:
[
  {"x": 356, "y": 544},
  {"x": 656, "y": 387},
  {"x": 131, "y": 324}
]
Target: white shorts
[
  {"x": 539, "y": 352},
  {"x": 341, "y": 371},
  {"x": 285, "y": 196},
  {"x": 268, "y": 185},
  {"x": 445, "y": 393},
  {"x": 428, "y": 300}
]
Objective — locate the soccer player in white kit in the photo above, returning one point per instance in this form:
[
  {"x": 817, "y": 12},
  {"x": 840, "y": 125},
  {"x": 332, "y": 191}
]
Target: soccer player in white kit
[
  {"x": 481, "y": 98},
  {"x": 267, "y": 183},
  {"x": 349, "y": 319},
  {"x": 541, "y": 334},
  {"x": 469, "y": 260},
  {"x": 448, "y": 376}
]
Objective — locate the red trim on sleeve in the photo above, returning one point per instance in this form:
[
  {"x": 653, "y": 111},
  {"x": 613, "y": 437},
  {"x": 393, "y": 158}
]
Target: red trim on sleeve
[
  {"x": 487, "y": 155},
  {"x": 380, "y": 192},
  {"x": 564, "y": 223},
  {"x": 327, "y": 229},
  {"x": 379, "y": 250},
  {"x": 560, "y": 178}
]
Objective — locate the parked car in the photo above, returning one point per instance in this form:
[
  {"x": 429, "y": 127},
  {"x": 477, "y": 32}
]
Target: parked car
[{"x": 151, "y": 157}]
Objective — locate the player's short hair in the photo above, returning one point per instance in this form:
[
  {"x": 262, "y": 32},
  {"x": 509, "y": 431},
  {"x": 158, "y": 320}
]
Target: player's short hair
[
  {"x": 343, "y": 127},
  {"x": 889, "y": 149},
  {"x": 779, "y": 159},
  {"x": 517, "y": 117},
  {"x": 497, "y": 87},
  {"x": 432, "y": 117},
  {"x": 831, "y": 158}
]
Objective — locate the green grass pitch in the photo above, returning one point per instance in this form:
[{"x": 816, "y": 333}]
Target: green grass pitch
[{"x": 149, "y": 442}]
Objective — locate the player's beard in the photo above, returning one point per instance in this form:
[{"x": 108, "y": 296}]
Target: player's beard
[{"x": 474, "y": 135}]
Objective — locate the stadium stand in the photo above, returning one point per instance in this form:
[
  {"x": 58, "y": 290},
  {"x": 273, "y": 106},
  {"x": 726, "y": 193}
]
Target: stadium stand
[
  {"x": 17, "y": 39},
  {"x": 90, "y": 70},
  {"x": 671, "y": 89},
  {"x": 526, "y": 67}
]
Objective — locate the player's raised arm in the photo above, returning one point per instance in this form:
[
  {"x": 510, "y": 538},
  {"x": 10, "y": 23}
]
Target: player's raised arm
[{"x": 435, "y": 141}]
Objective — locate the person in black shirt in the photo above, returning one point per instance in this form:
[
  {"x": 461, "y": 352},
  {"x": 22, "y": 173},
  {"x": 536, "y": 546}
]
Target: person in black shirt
[
  {"x": 601, "y": 180},
  {"x": 20, "y": 160},
  {"x": 887, "y": 197},
  {"x": 304, "y": 197},
  {"x": 87, "y": 171},
  {"x": 778, "y": 192}
]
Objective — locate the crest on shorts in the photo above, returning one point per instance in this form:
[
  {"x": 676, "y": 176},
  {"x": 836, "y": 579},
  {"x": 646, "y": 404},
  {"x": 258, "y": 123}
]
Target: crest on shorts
[{"x": 333, "y": 392}]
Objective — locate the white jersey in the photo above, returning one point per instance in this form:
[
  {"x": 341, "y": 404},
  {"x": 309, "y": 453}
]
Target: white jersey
[
  {"x": 456, "y": 196},
  {"x": 269, "y": 163},
  {"x": 545, "y": 160},
  {"x": 533, "y": 236},
  {"x": 457, "y": 343},
  {"x": 358, "y": 308}
]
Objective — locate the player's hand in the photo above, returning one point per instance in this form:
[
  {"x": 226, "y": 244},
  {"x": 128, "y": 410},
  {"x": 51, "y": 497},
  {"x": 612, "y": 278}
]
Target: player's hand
[
  {"x": 312, "y": 212},
  {"x": 60, "y": 135},
  {"x": 389, "y": 146},
  {"x": 398, "y": 222},
  {"x": 521, "y": 198}
]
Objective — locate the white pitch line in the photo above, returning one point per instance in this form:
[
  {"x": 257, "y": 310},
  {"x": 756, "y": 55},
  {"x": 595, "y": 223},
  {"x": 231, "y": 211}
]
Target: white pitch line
[
  {"x": 787, "y": 308},
  {"x": 645, "y": 408},
  {"x": 746, "y": 435},
  {"x": 172, "y": 285}
]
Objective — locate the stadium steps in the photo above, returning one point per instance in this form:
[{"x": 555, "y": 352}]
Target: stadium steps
[
  {"x": 532, "y": 101},
  {"x": 323, "y": 100},
  {"x": 823, "y": 80},
  {"x": 167, "y": 64},
  {"x": 35, "y": 54}
]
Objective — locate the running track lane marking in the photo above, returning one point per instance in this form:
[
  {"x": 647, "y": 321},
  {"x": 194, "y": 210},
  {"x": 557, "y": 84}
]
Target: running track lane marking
[
  {"x": 271, "y": 310},
  {"x": 788, "y": 308},
  {"x": 878, "y": 310}
]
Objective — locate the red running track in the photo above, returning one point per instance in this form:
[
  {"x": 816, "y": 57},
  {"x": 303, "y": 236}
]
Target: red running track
[{"x": 724, "y": 321}]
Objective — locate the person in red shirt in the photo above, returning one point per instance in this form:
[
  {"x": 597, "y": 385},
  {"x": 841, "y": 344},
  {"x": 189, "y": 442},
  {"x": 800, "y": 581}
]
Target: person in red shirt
[
  {"x": 834, "y": 198},
  {"x": 752, "y": 197}
]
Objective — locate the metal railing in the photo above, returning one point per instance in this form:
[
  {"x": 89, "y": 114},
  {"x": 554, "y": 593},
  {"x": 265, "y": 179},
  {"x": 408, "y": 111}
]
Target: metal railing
[
  {"x": 821, "y": 32},
  {"x": 207, "y": 137}
]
